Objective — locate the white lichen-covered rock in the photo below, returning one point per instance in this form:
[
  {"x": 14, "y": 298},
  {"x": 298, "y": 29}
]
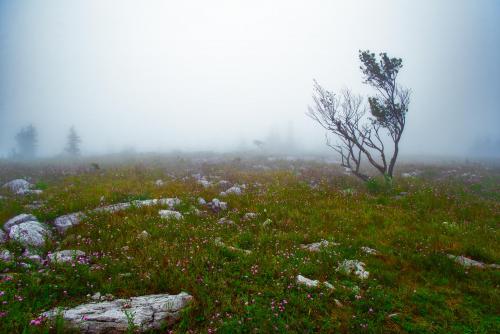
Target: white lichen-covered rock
[
  {"x": 5, "y": 255},
  {"x": 204, "y": 183},
  {"x": 23, "y": 217},
  {"x": 63, "y": 223},
  {"x": 301, "y": 280},
  {"x": 31, "y": 233},
  {"x": 18, "y": 186},
  {"x": 65, "y": 256},
  {"x": 234, "y": 190},
  {"x": 170, "y": 214},
  {"x": 250, "y": 216},
  {"x": 316, "y": 246},
  {"x": 225, "y": 221},
  {"x": 143, "y": 235},
  {"x": 466, "y": 262},
  {"x": 353, "y": 267},
  {"x": 217, "y": 205},
  {"x": 146, "y": 313},
  {"x": 170, "y": 202},
  {"x": 201, "y": 201},
  {"x": 369, "y": 251}
]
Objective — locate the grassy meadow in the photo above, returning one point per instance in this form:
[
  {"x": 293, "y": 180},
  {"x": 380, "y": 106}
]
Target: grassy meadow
[{"x": 413, "y": 224}]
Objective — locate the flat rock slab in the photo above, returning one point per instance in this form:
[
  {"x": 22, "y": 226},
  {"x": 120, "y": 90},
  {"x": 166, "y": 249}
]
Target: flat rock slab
[
  {"x": 30, "y": 233},
  {"x": 466, "y": 262},
  {"x": 22, "y": 218},
  {"x": 146, "y": 312}
]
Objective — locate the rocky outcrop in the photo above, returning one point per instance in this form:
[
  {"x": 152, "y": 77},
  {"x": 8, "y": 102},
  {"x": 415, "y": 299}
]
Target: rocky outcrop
[
  {"x": 145, "y": 312},
  {"x": 21, "y": 187},
  {"x": 64, "y": 222}
]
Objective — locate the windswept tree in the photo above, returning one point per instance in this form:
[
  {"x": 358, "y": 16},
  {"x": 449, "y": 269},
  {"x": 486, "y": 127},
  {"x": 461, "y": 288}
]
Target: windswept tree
[
  {"x": 26, "y": 140},
  {"x": 360, "y": 135},
  {"x": 73, "y": 143}
]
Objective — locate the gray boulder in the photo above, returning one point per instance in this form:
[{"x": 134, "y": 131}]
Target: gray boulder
[
  {"x": 30, "y": 233},
  {"x": 146, "y": 313},
  {"x": 23, "y": 217},
  {"x": 18, "y": 186},
  {"x": 63, "y": 223}
]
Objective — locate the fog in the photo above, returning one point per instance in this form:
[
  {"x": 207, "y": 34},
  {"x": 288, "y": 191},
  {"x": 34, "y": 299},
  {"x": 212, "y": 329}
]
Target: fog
[{"x": 216, "y": 75}]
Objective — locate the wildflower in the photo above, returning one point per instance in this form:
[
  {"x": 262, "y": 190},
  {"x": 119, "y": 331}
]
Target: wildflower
[{"x": 37, "y": 321}]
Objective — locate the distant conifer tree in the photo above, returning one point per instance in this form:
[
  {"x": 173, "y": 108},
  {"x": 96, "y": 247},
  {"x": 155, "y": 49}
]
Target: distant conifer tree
[{"x": 73, "y": 144}]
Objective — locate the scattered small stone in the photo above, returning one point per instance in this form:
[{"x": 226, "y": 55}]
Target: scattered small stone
[
  {"x": 201, "y": 201},
  {"x": 316, "y": 246},
  {"x": 204, "y": 183},
  {"x": 65, "y": 256},
  {"x": 369, "y": 251},
  {"x": 35, "y": 205},
  {"x": 234, "y": 190},
  {"x": 267, "y": 222},
  {"x": 225, "y": 221},
  {"x": 411, "y": 174},
  {"x": 217, "y": 205},
  {"x": 159, "y": 183},
  {"x": 250, "y": 216},
  {"x": 149, "y": 313},
  {"x": 32, "y": 256},
  {"x": 96, "y": 296},
  {"x": 143, "y": 235},
  {"x": 301, "y": 280},
  {"x": 354, "y": 267},
  {"x": 170, "y": 214},
  {"x": 218, "y": 242},
  {"x": 5, "y": 255}
]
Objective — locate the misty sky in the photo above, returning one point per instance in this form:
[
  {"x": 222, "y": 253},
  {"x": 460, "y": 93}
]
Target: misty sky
[{"x": 163, "y": 75}]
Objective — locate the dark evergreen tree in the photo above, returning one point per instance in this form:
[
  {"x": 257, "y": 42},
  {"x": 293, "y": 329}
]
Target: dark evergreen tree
[{"x": 26, "y": 139}]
